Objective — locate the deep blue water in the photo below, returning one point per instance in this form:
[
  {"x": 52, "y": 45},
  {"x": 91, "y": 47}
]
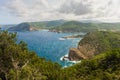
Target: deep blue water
[{"x": 47, "y": 44}]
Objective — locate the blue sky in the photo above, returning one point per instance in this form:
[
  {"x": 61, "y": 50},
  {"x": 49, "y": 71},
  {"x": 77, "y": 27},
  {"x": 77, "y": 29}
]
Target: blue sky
[{"x": 17, "y": 11}]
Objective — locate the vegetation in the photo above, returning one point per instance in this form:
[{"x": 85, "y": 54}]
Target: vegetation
[
  {"x": 21, "y": 27},
  {"x": 98, "y": 42},
  {"x": 105, "y": 66},
  {"x": 67, "y": 26},
  {"x": 47, "y": 24},
  {"x": 18, "y": 63},
  {"x": 75, "y": 26},
  {"x": 28, "y": 26}
]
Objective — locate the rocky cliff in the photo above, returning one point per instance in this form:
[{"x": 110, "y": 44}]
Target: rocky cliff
[
  {"x": 75, "y": 54},
  {"x": 95, "y": 43}
]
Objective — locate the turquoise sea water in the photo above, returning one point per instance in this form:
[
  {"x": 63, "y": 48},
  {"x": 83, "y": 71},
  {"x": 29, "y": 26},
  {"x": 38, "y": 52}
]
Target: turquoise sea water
[{"x": 48, "y": 45}]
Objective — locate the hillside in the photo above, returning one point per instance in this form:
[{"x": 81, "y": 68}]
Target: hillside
[
  {"x": 76, "y": 26},
  {"x": 46, "y": 24},
  {"x": 95, "y": 43},
  {"x": 105, "y": 66},
  {"x": 67, "y": 26},
  {"x": 31, "y": 26},
  {"x": 18, "y": 63},
  {"x": 20, "y": 27}
]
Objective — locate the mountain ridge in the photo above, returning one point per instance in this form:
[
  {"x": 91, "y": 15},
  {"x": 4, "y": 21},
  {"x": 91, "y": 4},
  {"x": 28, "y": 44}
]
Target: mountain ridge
[{"x": 71, "y": 26}]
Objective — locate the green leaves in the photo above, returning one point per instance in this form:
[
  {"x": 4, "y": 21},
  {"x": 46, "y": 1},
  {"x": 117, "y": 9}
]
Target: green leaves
[
  {"x": 105, "y": 66},
  {"x": 18, "y": 63}
]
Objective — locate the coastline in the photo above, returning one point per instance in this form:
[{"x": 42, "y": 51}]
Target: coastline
[
  {"x": 73, "y": 36},
  {"x": 66, "y": 60}
]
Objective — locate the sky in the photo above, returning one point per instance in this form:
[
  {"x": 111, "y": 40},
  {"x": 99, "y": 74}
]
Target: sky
[{"x": 16, "y": 11}]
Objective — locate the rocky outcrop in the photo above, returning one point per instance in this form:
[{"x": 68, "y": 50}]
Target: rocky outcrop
[
  {"x": 75, "y": 54},
  {"x": 95, "y": 43}
]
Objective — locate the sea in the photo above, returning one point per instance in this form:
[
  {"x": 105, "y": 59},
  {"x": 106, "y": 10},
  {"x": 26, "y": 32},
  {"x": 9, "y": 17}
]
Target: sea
[{"x": 49, "y": 45}]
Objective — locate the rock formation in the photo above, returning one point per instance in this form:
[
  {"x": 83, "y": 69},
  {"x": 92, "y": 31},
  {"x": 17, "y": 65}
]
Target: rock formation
[
  {"x": 95, "y": 43},
  {"x": 75, "y": 54}
]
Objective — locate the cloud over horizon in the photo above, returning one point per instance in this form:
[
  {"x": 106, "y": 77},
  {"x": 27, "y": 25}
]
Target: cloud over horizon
[
  {"x": 37, "y": 10},
  {"x": 75, "y": 7}
]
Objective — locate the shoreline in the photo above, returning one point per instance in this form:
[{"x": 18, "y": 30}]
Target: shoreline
[
  {"x": 73, "y": 36},
  {"x": 66, "y": 60}
]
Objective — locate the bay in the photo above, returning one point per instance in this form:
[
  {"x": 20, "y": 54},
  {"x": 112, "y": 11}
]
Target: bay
[{"x": 49, "y": 45}]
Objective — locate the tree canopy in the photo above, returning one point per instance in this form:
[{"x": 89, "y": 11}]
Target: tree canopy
[{"x": 18, "y": 63}]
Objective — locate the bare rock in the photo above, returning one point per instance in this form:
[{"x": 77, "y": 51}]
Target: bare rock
[{"x": 75, "y": 54}]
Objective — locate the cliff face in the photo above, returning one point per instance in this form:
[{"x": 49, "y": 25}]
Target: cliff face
[
  {"x": 75, "y": 54},
  {"x": 95, "y": 43}
]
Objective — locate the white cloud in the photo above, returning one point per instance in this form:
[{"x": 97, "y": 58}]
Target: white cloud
[
  {"x": 29, "y": 10},
  {"x": 75, "y": 7},
  {"x": 92, "y": 9}
]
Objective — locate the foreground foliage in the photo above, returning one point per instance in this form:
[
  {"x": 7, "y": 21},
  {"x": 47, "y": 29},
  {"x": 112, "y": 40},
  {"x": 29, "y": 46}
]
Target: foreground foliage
[
  {"x": 105, "y": 66},
  {"x": 18, "y": 63}
]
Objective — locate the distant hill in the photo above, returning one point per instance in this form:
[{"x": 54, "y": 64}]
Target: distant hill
[
  {"x": 67, "y": 26},
  {"x": 30, "y": 26},
  {"x": 76, "y": 26},
  {"x": 47, "y": 24},
  {"x": 21, "y": 27}
]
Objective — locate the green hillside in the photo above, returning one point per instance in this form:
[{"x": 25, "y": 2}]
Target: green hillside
[
  {"x": 46, "y": 24},
  {"x": 105, "y": 66},
  {"x": 31, "y": 26},
  {"x": 98, "y": 42},
  {"x": 68, "y": 26},
  {"x": 18, "y": 63},
  {"x": 20, "y": 27},
  {"x": 76, "y": 26}
]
